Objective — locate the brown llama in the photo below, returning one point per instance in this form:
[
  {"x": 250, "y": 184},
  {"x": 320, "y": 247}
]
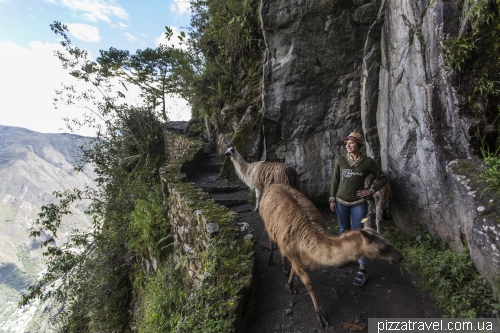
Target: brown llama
[
  {"x": 296, "y": 225},
  {"x": 259, "y": 175},
  {"x": 381, "y": 200}
]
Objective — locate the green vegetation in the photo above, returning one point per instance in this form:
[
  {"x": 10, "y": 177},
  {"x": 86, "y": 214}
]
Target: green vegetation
[
  {"x": 458, "y": 52},
  {"x": 449, "y": 277},
  {"x": 475, "y": 57},
  {"x": 126, "y": 264},
  {"x": 163, "y": 298},
  {"x": 147, "y": 234},
  {"x": 226, "y": 35},
  {"x": 92, "y": 274},
  {"x": 491, "y": 175}
]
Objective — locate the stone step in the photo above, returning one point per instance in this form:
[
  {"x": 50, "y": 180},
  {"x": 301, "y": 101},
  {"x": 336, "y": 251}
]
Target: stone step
[
  {"x": 209, "y": 155},
  {"x": 247, "y": 208},
  {"x": 211, "y": 166},
  {"x": 231, "y": 199},
  {"x": 231, "y": 202},
  {"x": 218, "y": 188}
]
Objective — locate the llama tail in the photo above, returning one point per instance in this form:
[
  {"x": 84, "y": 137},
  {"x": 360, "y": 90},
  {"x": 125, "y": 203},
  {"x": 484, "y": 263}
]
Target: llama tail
[{"x": 293, "y": 177}]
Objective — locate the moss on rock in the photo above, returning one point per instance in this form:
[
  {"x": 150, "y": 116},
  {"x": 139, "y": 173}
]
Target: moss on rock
[{"x": 217, "y": 263}]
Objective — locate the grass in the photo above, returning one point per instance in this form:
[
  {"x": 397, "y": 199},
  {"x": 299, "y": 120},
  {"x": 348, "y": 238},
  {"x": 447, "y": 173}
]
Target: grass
[
  {"x": 491, "y": 175},
  {"x": 450, "y": 277},
  {"x": 163, "y": 300}
]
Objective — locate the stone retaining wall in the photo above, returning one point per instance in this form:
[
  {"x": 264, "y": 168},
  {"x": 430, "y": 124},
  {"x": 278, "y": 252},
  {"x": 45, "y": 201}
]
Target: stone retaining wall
[{"x": 206, "y": 233}]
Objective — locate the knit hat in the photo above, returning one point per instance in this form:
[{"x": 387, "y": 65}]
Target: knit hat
[{"x": 356, "y": 137}]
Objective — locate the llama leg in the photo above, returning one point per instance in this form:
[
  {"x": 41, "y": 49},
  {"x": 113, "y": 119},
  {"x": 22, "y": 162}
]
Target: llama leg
[
  {"x": 283, "y": 265},
  {"x": 289, "y": 285},
  {"x": 271, "y": 249},
  {"x": 258, "y": 193},
  {"x": 306, "y": 280}
]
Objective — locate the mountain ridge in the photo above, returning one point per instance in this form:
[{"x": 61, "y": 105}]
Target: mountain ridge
[{"x": 32, "y": 166}]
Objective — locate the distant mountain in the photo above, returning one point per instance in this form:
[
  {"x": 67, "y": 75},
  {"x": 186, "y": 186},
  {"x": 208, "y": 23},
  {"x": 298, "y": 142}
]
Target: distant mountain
[{"x": 32, "y": 166}]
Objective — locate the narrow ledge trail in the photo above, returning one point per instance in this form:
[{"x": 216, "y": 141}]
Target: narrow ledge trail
[{"x": 389, "y": 293}]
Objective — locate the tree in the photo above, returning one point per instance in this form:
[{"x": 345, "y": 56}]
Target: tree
[
  {"x": 158, "y": 73},
  {"x": 89, "y": 279}
]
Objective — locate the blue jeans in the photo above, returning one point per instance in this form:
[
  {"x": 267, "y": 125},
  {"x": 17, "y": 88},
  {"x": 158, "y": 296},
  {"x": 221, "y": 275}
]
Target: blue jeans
[{"x": 350, "y": 218}]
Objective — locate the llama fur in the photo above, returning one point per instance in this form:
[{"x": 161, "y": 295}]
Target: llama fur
[
  {"x": 259, "y": 175},
  {"x": 292, "y": 221}
]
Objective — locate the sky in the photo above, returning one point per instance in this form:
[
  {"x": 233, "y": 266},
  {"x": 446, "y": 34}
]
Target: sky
[{"x": 30, "y": 73}]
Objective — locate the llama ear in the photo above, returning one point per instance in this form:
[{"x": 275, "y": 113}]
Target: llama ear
[{"x": 370, "y": 237}]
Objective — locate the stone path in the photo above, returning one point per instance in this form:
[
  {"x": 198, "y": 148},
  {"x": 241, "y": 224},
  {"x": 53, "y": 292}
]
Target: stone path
[{"x": 389, "y": 293}]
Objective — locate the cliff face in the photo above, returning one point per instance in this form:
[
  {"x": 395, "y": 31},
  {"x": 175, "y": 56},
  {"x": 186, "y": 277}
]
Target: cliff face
[
  {"x": 371, "y": 66},
  {"x": 311, "y": 94},
  {"x": 417, "y": 113},
  {"x": 377, "y": 67}
]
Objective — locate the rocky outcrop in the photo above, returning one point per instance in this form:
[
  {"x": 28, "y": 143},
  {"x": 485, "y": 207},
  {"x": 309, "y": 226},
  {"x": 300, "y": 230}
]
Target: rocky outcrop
[
  {"x": 417, "y": 114},
  {"x": 475, "y": 219},
  {"x": 311, "y": 94},
  {"x": 377, "y": 66}
]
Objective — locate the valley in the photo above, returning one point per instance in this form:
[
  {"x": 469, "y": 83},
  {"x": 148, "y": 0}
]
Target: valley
[{"x": 32, "y": 166}]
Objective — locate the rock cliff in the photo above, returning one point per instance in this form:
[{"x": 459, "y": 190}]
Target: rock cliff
[{"x": 377, "y": 67}]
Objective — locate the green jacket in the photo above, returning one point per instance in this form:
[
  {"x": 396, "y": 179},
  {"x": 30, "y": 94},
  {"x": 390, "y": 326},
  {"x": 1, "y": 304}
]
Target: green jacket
[{"x": 347, "y": 180}]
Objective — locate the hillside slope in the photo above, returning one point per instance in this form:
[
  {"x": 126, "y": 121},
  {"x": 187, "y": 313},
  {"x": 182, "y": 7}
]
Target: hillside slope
[{"x": 32, "y": 166}]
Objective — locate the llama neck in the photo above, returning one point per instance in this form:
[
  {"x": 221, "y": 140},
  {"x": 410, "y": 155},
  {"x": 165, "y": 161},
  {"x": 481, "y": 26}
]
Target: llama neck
[
  {"x": 240, "y": 165},
  {"x": 336, "y": 251}
]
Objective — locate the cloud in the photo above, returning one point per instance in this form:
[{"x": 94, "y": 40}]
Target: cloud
[
  {"x": 178, "y": 108},
  {"x": 29, "y": 77},
  {"x": 180, "y": 7},
  {"x": 131, "y": 37},
  {"x": 123, "y": 26},
  {"x": 84, "y": 32},
  {"x": 94, "y": 10},
  {"x": 174, "y": 40}
]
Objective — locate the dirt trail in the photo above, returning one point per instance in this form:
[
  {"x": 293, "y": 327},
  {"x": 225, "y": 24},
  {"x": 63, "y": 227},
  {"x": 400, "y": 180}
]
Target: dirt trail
[{"x": 389, "y": 293}]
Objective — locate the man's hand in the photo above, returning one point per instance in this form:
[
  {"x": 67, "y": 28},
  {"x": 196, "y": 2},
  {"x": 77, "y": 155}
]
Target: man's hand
[{"x": 333, "y": 206}]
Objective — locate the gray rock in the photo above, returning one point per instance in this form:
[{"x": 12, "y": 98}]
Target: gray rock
[
  {"x": 332, "y": 67},
  {"x": 175, "y": 126},
  {"x": 376, "y": 67},
  {"x": 212, "y": 228}
]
